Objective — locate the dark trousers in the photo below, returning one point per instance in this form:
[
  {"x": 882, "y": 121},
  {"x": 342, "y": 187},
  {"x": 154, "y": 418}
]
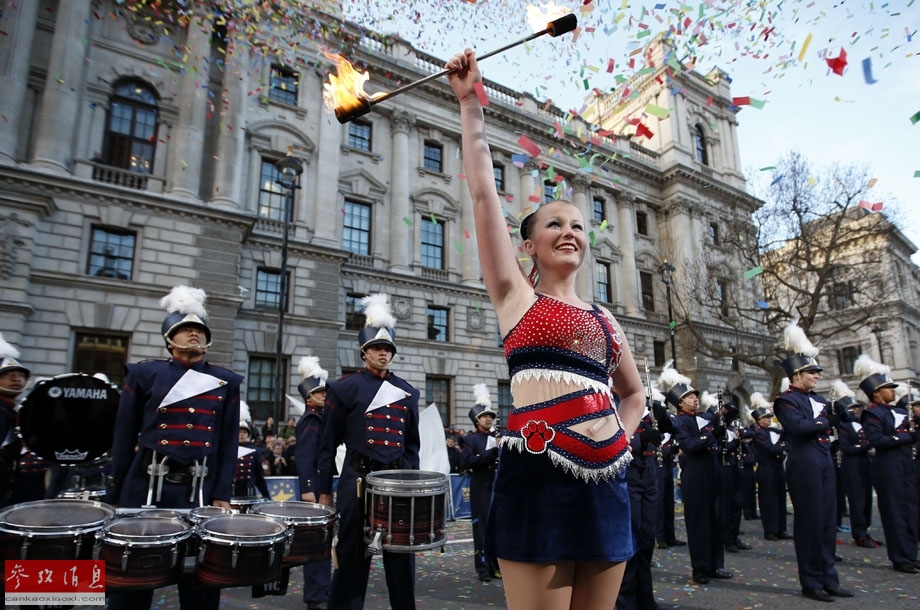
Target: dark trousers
[
  {"x": 191, "y": 597},
  {"x": 665, "y": 533},
  {"x": 894, "y": 476},
  {"x": 771, "y": 493},
  {"x": 636, "y": 591},
  {"x": 349, "y": 581},
  {"x": 317, "y": 580},
  {"x": 812, "y": 479},
  {"x": 749, "y": 491},
  {"x": 731, "y": 502},
  {"x": 480, "y": 496},
  {"x": 841, "y": 492},
  {"x": 699, "y": 484},
  {"x": 858, "y": 487}
]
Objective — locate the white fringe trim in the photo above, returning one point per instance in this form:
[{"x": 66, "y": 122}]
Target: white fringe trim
[
  {"x": 588, "y": 475},
  {"x": 566, "y": 377}
]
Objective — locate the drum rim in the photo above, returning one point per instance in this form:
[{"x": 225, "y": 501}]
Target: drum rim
[
  {"x": 437, "y": 482},
  {"x": 106, "y": 535},
  {"x": 54, "y": 530},
  {"x": 328, "y": 517},
  {"x": 230, "y": 539}
]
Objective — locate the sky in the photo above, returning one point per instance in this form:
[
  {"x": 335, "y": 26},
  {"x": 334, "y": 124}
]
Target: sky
[{"x": 775, "y": 51}]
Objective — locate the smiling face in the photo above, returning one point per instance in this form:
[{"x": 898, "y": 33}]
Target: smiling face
[{"x": 557, "y": 236}]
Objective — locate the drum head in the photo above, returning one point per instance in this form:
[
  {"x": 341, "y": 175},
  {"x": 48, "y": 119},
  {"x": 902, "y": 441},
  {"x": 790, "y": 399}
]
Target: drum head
[
  {"x": 230, "y": 527},
  {"x": 142, "y": 526},
  {"x": 408, "y": 482},
  {"x": 69, "y": 419},
  {"x": 55, "y": 515},
  {"x": 296, "y": 512},
  {"x": 163, "y": 513},
  {"x": 197, "y": 515}
]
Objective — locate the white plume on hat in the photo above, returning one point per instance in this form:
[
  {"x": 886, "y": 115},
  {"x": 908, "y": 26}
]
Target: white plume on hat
[
  {"x": 7, "y": 350},
  {"x": 185, "y": 300},
  {"x": 481, "y": 392},
  {"x": 865, "y": 366},
  {"x": 377, "y": 311},
  {"x": 796, "y": 341},
  {"x": 783, "y": 385},
  {"x": 759, "y": 402},
  {"x": 708, "y": 400},
  {"x": 841, "y": 390},
  {"x": 656, "y": 394},
  {"x": 245, "y": 414},
  {"x": 309, "y": 367},
  {"x": 670, "y": 377}
]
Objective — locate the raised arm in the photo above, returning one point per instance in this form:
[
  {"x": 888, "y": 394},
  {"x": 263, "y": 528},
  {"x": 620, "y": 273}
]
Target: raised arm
[{"x": 505, "y": 282}]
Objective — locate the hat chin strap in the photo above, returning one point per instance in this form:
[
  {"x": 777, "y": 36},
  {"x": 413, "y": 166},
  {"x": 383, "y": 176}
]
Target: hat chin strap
[
  {"x": 173, "y": 345},
  {"x": 8, "y": 391}
]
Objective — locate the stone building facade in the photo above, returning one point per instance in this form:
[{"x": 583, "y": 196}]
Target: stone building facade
[{"x": 134, "y": 158}]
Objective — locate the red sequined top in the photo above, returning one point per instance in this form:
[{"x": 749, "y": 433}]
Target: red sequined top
[{"x": 560, "y": 359}]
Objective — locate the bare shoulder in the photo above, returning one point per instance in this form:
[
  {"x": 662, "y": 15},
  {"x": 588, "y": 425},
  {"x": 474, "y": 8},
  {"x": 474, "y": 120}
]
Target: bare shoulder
[{"x": 512, "y": 308}]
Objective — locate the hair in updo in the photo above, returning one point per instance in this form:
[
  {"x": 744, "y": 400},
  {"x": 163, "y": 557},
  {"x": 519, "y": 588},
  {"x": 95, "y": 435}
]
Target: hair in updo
[{"x": 527, "y": 222}]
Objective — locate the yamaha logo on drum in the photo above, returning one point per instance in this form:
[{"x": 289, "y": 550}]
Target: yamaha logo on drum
[{"x": 84, "y": 393}]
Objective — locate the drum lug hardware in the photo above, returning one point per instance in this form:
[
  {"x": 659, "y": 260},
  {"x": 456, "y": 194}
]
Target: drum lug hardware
[
  {"x": 124, "y": 557},
  {"x": 288, "y": 542},
  {"x": 78, "y": 544},
  {"x": 25, "y": 546},
  {"x": 97, "y": 546},
  {"x": 173, "y": 555},
  {"x": 201, "y": 551},
  {"x": 376, "y": 545},
  {"x": 271, "y": 555},
  {"x": 235, "y": 555}
]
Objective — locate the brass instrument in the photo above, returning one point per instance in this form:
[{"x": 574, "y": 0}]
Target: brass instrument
[
  {"x": 659, "y": 457},
  {"x": 912, "y": 426},
  {"x": 724, "y": 438},
  {"x": 838, "y": 456}
]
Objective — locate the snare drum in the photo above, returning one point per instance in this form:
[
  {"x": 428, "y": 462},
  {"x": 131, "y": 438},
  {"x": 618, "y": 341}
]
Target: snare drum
[
  {"x": 162, "y": 513},
  {"x": 240, "y": 550},
  {"x": 244, "y": 504},
  {"x": 312, "y": 527},
  {"x": 69, "y": 419},
  {"x": 404, "y": 510},
  {"x": 195, "y": 518},
  {"x": 142, "y": 552},
  {"x": 52, "y": 529}
]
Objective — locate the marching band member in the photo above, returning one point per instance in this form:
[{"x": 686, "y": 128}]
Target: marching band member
[
  {"x": 176, "y": 432},
  {"x": 698, "y": 435},
  {"x": 249, "y": 479},
  {"x": 669, "y": 449},
  {"x": 13, "y": 380},
  {"x": 894, "y": 472},
  {"x": 855, "y": 463},
  {"x": 375, "y": 413},
  {"x": 810, "y": 471},
  {"x": 731, "y": 469},
  {"x": 479, "y": 456},
  {"x": 770, "y": 450},
  {"x": 317, "y": 575}
]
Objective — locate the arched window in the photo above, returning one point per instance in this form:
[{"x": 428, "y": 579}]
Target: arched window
[
  {"x": 699, "y": 141},
  {"x": 130, "y": 137}
]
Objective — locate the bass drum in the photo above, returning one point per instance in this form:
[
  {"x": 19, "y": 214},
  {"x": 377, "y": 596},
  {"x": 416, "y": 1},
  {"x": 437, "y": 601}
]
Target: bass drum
[{"x": 69, "y": 419}]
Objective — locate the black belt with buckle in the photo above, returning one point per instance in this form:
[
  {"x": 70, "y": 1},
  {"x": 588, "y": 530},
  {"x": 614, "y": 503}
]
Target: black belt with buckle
[
  {"x": 179, "y": 473},
  {"x": 178, "y": 478},
  {"x": 364, "y": 464}
]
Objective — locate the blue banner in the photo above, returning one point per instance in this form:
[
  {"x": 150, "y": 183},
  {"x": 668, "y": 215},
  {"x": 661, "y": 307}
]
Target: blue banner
[
  {"x": 460, "y": 492},
  {"x": 283, "y": 489}
]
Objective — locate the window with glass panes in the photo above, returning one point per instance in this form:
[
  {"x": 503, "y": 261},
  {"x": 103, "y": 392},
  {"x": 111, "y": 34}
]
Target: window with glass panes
[
  {"x": 498, "y": 171},
  {"x": 356, "y": 234},
  {"x": 260, "y": 386},
  {"x": 101, "y": 352},
  {"x": 437, "y": 323},
  {"x": 847, "y": 358},
  {"x": 432, "y": 243},
  {"x": 268, "y": 290},
  {"x": 658, "y": 352},
  {"x": 505, "y": 404},
  {"x": 272, "y": 196},
  {"x": 433, "y": 156},
  {"x": 647, "y": 287},
  {"x": 641, "y": 222},
  {"x": 284, "y": 84},
  {"x": 437, "y": 390},
  {"x": 723, "y": 292},
  {"x": 130, "y": 138},
  {"x": 699, "y": 141},
  {"x": 359, "y": 135},
  {"x": 549, "y": 191},
  {"x": 111, "y": 253},
  {"x": 714, "y": 233},
  {"x": 354, "y": 312},
  {"x": 600, "y": 213},
  {"x": 604, "y": 288}
]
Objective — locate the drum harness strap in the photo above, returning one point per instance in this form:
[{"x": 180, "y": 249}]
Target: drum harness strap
[{"x": 157, "y": 471}]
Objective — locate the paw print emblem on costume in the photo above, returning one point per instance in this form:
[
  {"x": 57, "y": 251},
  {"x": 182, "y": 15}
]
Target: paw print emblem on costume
[{"x": 537, "y": 435}]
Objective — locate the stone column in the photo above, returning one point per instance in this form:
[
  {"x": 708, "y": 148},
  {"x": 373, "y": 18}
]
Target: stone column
[
  {"x": 60, "y": 104},
  {"x": 400, "y": 123},
  {"x": 231, "y": 141},
  {"x": 584, "y": 281},
  {"x": 527, "y": 189},
  {"x": 15, "y": 48},
  {"x": 626, "y": 232},
  {"x": 328, "y": 196},
  {"x": 185, "y": 156}
]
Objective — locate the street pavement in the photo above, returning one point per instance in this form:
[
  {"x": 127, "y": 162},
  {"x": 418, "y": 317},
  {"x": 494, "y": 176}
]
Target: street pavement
[{"x": 765, "y": 577}]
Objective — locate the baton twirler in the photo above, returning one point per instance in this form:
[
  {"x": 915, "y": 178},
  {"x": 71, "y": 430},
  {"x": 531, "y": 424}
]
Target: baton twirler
[{"x": 356, "y": 105}]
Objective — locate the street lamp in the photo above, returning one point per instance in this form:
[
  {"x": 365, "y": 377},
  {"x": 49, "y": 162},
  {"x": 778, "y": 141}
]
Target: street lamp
[
  {"x": 289, "y": 171},
  {"x": 877, "y": 331},
  {"x": 666, "y": 271}
]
